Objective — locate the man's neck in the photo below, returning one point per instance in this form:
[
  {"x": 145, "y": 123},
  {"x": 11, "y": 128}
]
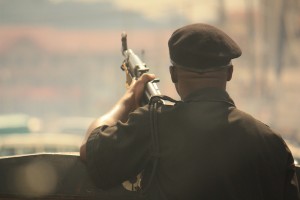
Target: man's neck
[{"x": 185, "y": 90}]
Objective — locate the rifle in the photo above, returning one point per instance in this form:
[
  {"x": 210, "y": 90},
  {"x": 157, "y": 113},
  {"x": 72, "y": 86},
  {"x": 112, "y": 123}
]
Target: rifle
[{"x": 134, "y": 68}]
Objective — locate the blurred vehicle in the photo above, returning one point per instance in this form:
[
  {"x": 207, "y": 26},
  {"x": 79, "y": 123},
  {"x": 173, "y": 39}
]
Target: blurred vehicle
[
  {"x": 19, "y": 123},
  {"x": 18, "y": 144}
]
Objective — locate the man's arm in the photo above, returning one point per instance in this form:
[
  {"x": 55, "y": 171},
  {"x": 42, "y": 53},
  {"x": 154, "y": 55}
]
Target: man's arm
[{"x": 128, "y": 103}]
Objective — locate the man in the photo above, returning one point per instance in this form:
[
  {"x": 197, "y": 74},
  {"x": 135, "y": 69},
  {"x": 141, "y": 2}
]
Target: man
[{"x": 208, "y": 149}]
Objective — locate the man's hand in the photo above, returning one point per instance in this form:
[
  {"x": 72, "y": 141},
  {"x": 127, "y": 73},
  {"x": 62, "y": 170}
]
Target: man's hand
[
  {"x": 134, "y": 94},
  {"x": 128, "y": 103}
]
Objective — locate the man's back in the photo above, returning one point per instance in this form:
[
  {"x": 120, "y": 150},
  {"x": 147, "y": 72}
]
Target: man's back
[{"x": 211, "y": 150}]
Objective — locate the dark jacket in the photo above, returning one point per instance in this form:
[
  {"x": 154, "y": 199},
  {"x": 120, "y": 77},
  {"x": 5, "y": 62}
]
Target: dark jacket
[{"x": 208, "y": 150}]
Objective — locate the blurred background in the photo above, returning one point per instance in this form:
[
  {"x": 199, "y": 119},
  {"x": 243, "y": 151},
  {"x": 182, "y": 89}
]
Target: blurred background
[{"x": 60, "y": 62}]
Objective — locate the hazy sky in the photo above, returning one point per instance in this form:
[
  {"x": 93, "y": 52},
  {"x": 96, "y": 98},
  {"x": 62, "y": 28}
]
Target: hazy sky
[{"x": 156, "y": 9}]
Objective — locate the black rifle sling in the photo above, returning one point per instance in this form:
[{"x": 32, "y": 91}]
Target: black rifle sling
[{"x": 153, "y": 105}]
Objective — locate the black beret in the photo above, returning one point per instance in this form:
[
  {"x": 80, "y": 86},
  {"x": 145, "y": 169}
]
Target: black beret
[{"x": 202, "y": 47}]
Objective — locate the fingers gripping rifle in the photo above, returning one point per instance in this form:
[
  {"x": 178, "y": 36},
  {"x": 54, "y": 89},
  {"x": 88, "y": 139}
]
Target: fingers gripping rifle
[{"x": 134, "y": 68}]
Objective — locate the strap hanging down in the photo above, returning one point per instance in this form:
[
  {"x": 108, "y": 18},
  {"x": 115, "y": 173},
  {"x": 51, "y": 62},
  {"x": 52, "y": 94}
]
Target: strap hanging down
[{"x": 153, "y": 105}]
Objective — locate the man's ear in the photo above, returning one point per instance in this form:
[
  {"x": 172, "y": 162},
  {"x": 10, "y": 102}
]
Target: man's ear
[
  {"x": 173, "y": 74},
  {"x": 229, "y": 73}
]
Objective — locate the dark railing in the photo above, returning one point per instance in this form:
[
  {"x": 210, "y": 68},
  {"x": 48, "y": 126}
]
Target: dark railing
[{"x": 54, "y": 176}]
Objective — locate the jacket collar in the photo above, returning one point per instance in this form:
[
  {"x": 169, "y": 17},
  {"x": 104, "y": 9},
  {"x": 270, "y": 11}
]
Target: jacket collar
[{"x": 209, "y": 94}]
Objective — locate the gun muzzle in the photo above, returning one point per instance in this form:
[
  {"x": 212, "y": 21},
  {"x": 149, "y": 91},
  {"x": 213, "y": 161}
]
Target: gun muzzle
[{"x": 124, "y": 42}]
